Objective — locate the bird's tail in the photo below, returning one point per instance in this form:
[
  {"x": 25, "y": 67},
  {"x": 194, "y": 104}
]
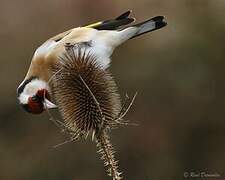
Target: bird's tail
[
  {"x": 149, "y": 25},
  {"x": 115, "y": 38}
]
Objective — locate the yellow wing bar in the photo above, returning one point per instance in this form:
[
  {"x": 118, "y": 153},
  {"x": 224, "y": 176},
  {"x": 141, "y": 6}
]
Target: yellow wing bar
[{"x": 94, "y": 24}]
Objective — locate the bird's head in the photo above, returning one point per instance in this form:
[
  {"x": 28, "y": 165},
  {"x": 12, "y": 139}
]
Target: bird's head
[{"x": 33, "y": 95}]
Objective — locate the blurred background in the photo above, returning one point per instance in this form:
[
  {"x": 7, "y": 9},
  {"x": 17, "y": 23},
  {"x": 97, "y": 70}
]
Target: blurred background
[{"x": 178, "y": 72}]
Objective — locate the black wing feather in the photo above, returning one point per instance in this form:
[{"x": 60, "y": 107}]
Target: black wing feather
[{"x": 113, "y": 24}]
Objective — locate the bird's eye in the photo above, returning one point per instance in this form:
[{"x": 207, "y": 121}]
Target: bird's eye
[{"x": 34, "y": 98}]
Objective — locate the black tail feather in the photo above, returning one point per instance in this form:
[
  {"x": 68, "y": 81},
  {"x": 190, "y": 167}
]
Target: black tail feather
[
  {"x": 159, "y": 22},
  {"x": 150, "y": 25}
]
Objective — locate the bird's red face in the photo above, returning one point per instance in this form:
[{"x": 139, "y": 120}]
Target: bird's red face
[
  {"x": 34, "y": 96},
  {"x": 36, "y": 103}
]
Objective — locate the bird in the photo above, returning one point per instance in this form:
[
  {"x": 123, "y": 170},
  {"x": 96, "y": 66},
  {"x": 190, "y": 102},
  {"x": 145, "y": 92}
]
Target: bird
[{"x": 100, "y": 39}]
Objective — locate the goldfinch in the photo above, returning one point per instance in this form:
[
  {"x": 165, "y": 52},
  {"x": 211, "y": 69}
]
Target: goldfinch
[{"x": 100, "y": 39}]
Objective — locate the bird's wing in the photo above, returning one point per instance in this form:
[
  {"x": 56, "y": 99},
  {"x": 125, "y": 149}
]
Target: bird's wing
[{"x": 111, "y": 24}]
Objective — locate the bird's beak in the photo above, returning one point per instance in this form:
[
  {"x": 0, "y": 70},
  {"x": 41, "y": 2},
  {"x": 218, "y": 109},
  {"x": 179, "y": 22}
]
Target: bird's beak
[{"x": 48, "y": 104}]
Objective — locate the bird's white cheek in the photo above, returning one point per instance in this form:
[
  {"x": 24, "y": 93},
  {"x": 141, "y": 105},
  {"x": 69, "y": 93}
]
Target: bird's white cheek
[{"x": 23, "y": 99}]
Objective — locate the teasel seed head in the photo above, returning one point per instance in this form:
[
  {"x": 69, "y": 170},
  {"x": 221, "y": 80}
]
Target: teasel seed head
[{"x": 86, "y": 94}]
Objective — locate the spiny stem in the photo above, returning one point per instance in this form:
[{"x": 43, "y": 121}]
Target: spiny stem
[{"x": 106, "y": 151}]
